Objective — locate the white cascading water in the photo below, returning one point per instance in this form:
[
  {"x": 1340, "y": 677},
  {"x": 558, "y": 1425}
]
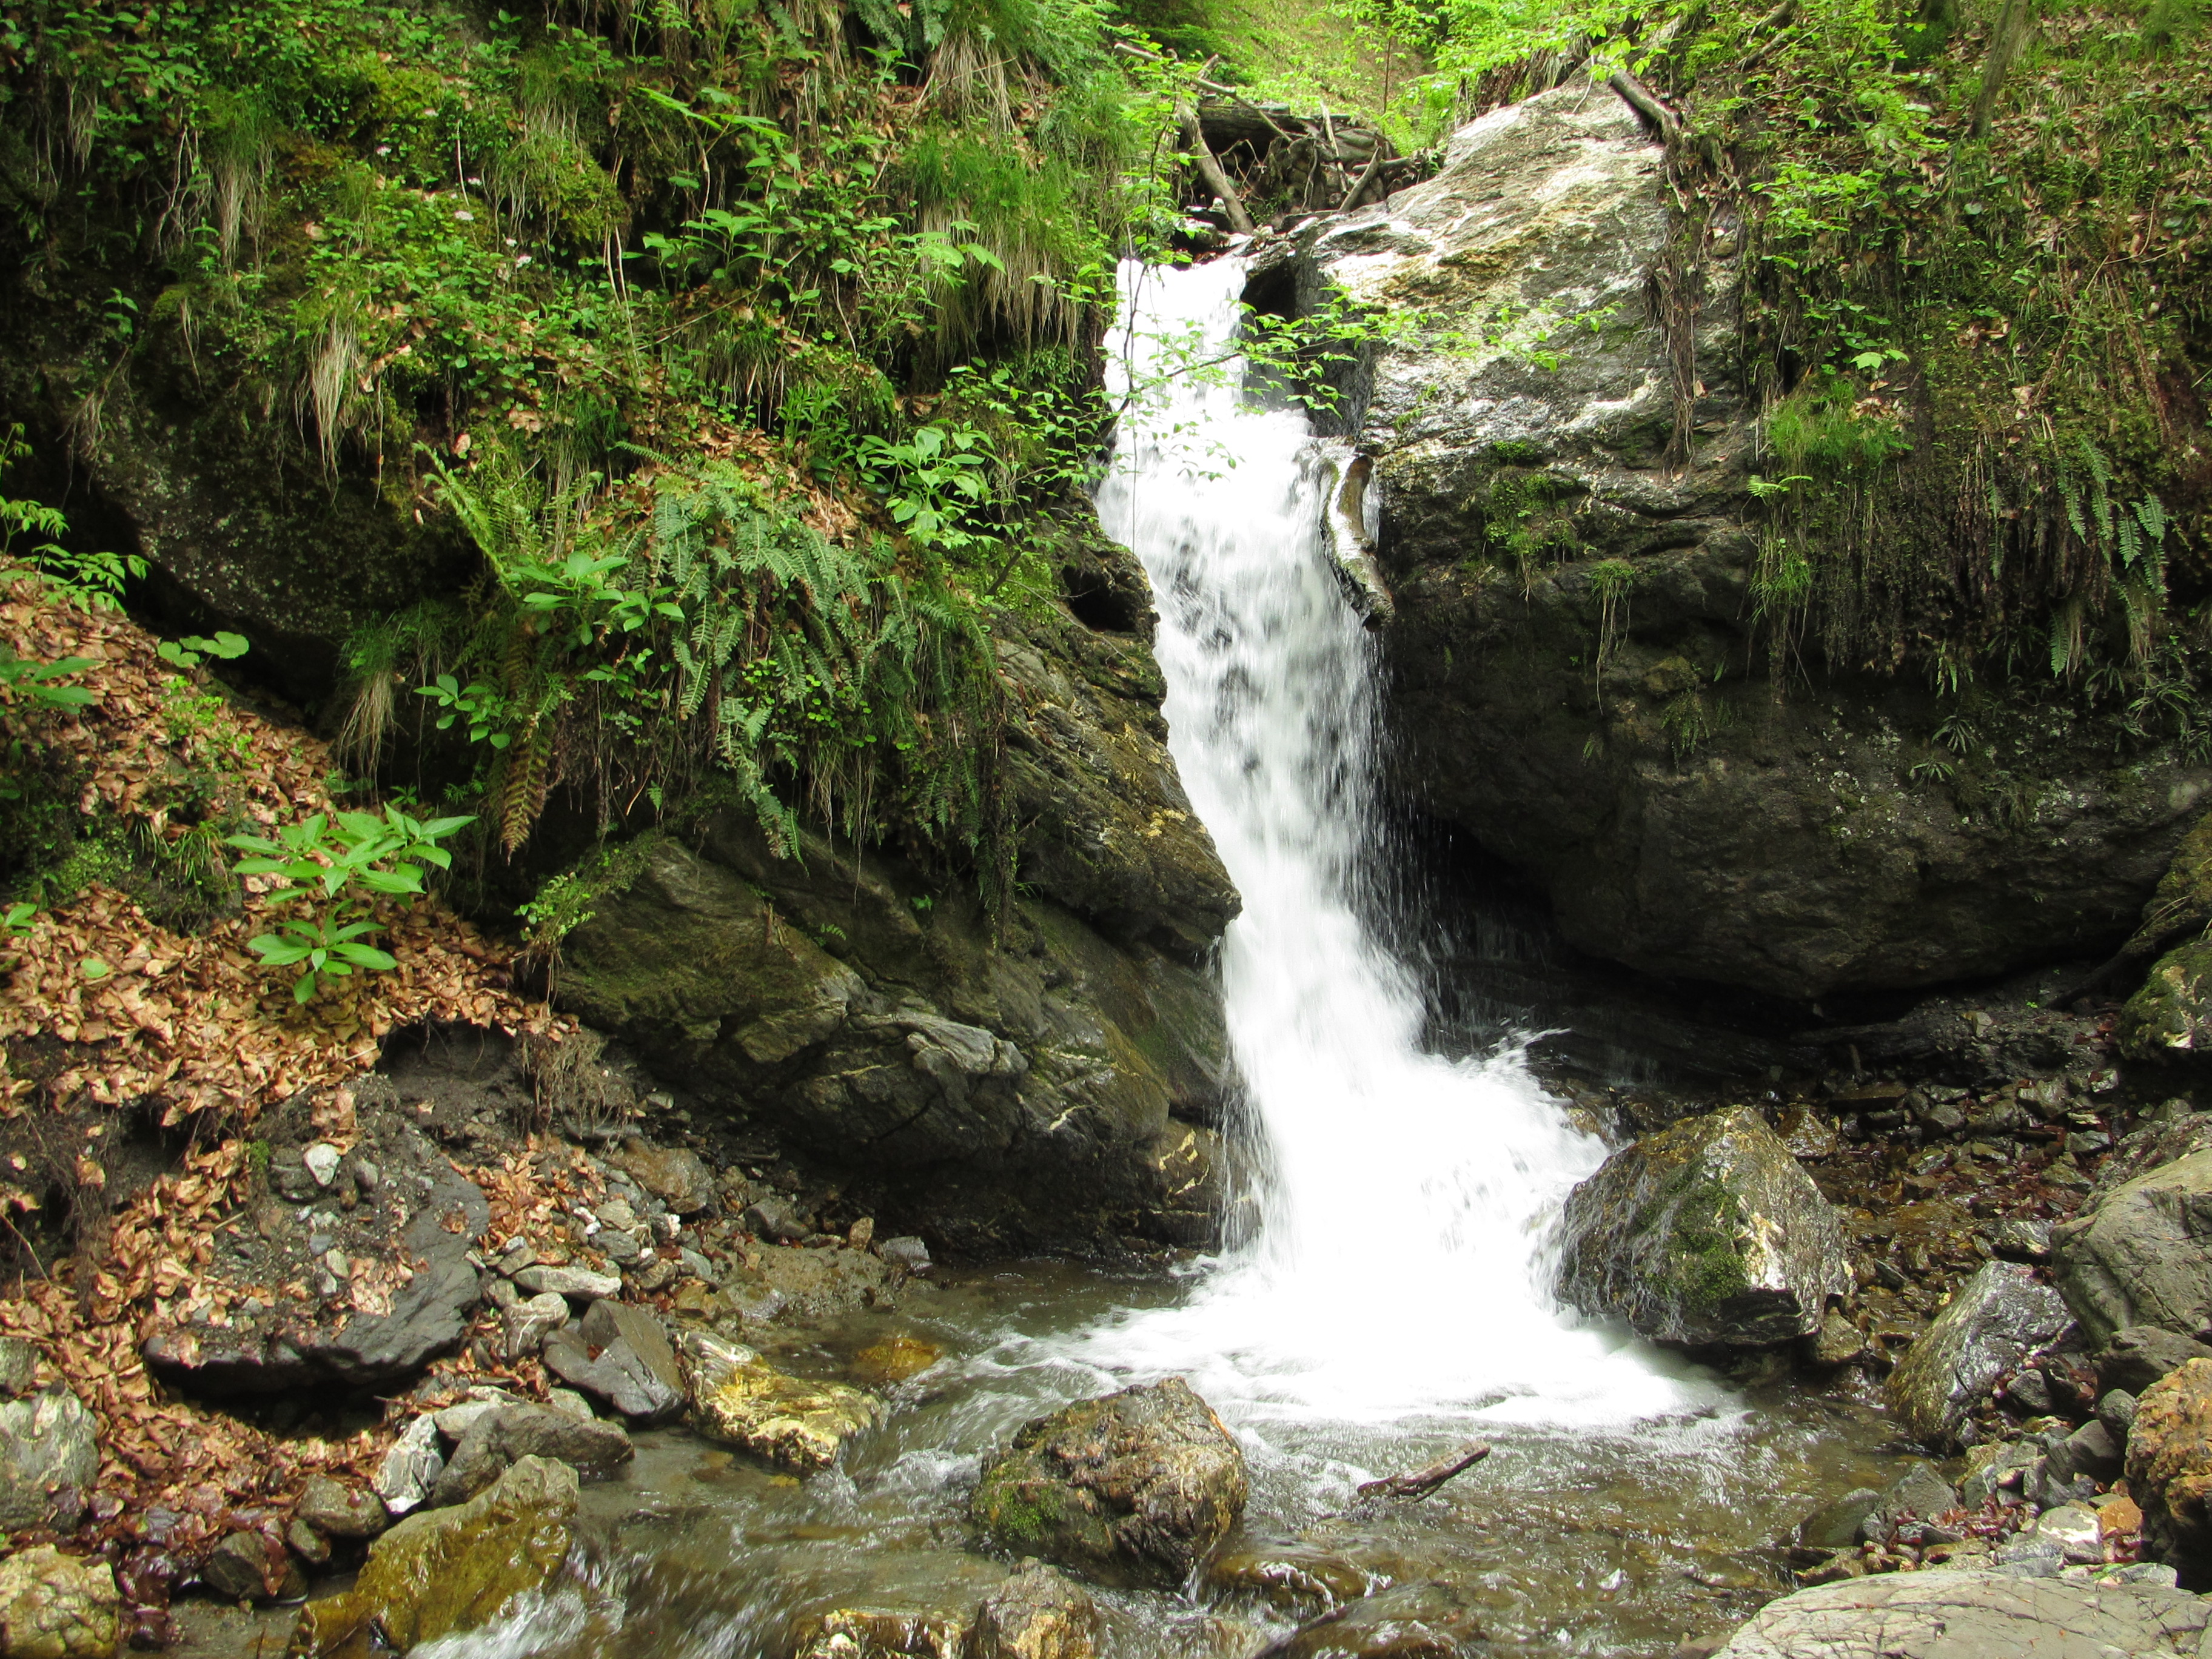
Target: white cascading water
[{"x": 1399, "y": 1272}]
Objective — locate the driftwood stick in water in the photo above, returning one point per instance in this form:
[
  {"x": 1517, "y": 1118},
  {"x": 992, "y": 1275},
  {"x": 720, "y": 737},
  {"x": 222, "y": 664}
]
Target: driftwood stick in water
[
  {"x": 1210, "y": 169},
  {"x": 1421, "y": 1482}
]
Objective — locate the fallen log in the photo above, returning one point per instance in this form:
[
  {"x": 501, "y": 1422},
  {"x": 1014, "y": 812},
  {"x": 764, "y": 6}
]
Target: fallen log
[
  {"x": 1210, "y": 169},
  {"x": 1421, "y": 1482}
]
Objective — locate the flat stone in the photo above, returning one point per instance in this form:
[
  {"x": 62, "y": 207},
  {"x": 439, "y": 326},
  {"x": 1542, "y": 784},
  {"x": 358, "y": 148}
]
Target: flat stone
[
  {"x": 322, "y": 1160},
  {"x": 1708, "y": 1234},
  {"x": 247, "y": 1566},
  {"x": 740, "y": 1400},
  {"x": 337, "y": 1511},
  {"x": 58, "y": 1606},
  {"x": 617, "y": 1373},
  {"x": 505, "y": 1435},
  {"x": 1835, "y": 1525},
  {"x": 1036, "y": 1615},
  {"x": 48, "y": 1459},
  {"x": 906, "y": 1253},
  {"x": 678, "y": 1178},
  {"x": 447, "y": 1571},
  {"x": 2075, "y": 1529},
  {"x": 411, "y": 1468},
  {"x": 1974, "y": 1615},
  {"x": 304, "y": 1541},
  {"x": 569, "y": 1403},
  {"x": 527, "y": 1323},
  {"x": 1990, "y": 1324},
  {"x": 607, "y": 1322},
  {"x": 1139, "y": 1486},
  {"x": 774, "y": 1220},
  {"x": 2022, "y": 1239},
  {"x": 577, "y": 1284},
  {"x": 1408, "y": 1621}
]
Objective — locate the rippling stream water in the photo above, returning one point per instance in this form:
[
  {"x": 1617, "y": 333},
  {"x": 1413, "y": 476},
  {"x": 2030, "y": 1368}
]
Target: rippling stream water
[{"x": 1391, "y": 1301}]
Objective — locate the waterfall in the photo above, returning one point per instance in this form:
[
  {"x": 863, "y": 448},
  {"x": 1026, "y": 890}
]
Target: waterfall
[{"x": 1399, "y": 1269}]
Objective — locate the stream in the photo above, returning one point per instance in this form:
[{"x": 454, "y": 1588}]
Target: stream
[{"x": 1389, "y": 1298}]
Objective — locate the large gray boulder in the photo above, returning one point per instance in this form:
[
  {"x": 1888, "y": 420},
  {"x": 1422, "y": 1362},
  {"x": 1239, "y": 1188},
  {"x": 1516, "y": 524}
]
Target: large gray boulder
[
  {"x": 1707, "y": 1235},
  {"x": 1975, "y": 1615},
  {"x": 1991, "y": 1322},
  {"x": 1544, "y": 501},
  {"x": 1136, "y": 1487},
  {"x": 48, "y": 1459},
  {"x": 2142, "y": 1255}
]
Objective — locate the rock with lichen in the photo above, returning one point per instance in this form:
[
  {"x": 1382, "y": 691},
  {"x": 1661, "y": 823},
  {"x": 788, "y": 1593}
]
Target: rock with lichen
[
  {"x": 58, "y": 1607},
  {"x": 1138, "y": 1486},
  {"x": 1706, "y": 1235},
  {"x": 445, "y": 1572},
  {"x": 740, "y": 1400}
]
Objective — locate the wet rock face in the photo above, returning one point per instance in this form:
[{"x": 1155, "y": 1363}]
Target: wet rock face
[
  {"x": 1707, "y": 1235},
  {"x": 1990, "y": 1322},
  {"x": 447, "y": 1571},
  {"x": 2144, "y": 1256},
  {"x": 1936, "y": 1615},
  {"x": 1682, "y": 817},
  {"x": 1046, "y": 1088},
  {"x": 58, "y": 1607},
  {"x": 1138, "y": 1486},
  {"x": 2169, "y": 1468}
]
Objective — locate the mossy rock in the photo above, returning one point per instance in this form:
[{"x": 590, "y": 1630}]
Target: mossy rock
[
  {"x": 1706, "y": 1235},
  {"x": 1138, "y": 1487},
  {"x": 442, "y": 1572},
  {"x": 2170, "y": 1017}
]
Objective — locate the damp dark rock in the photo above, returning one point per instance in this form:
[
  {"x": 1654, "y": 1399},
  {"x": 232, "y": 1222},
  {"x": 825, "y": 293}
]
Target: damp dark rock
[
  {"x": 1707, "y": 1234},
  {"x": 1991, "y": 1322}
]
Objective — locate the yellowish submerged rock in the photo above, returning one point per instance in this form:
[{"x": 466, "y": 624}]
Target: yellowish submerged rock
[
  {"x": 739, "y": 1399},
  {"x": 443, "y": 1571}
]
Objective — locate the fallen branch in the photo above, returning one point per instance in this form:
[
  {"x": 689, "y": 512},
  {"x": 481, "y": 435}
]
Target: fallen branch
[
  {"x": 1421, "y": 1482},
  {"x": 1210, "y": 169},
  {"x": 1641, "y": 99},
  {"x": 1360, "y": 184}
]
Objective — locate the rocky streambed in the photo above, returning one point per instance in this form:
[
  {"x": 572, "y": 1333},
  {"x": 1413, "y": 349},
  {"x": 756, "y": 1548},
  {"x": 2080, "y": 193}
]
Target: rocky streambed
[{"x": 1938, "y": 1333}]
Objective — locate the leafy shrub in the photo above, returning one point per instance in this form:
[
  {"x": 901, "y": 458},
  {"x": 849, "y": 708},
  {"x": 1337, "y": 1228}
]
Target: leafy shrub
[{"x": 336, "y": 867}]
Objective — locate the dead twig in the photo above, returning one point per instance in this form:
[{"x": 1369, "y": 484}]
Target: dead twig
[{"x": 1421, "y": 1482}]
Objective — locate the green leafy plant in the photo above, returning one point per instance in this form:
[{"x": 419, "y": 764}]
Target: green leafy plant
[
  {"x": 335, "y": 865},
  {"x": 194, "y": 649}
]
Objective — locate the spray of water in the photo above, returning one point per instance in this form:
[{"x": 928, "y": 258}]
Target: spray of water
[{"x": 1399, "y": 1272}]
